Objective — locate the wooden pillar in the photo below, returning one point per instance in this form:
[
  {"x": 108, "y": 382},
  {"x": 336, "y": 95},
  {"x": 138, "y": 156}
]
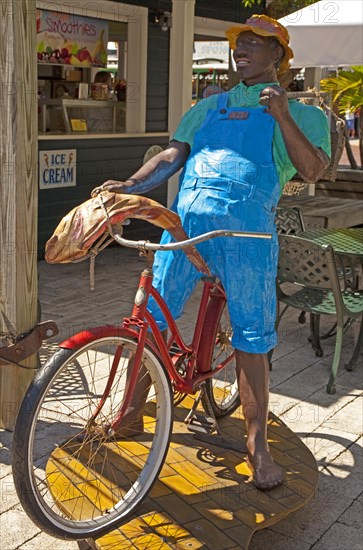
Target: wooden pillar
[
  {"x": 180, "y": 71},
  {"x": 18, "y": 191},
  {"x": 313, "y": 75},
  {"x": 136, "y": 73}
]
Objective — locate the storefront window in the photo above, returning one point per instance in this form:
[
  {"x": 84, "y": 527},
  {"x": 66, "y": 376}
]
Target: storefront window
[{"x": 83, "y": 72}]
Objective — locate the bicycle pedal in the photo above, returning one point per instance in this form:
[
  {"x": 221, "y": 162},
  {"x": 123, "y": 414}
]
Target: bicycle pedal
[{"x": 203, "y": 424}]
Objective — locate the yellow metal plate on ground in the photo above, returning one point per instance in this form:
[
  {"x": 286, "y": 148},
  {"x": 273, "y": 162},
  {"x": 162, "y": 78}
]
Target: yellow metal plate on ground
[{"x": 204, "y": 497}]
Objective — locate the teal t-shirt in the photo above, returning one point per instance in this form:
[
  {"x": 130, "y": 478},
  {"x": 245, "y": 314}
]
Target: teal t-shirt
[{"x": 311, "y": 120}]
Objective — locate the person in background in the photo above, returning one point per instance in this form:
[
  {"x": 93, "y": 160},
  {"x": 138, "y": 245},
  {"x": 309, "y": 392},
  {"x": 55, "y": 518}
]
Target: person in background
[
  {"x": 349, "y": 122},
  {"x": 238, "y": 150},
  {"x": 105, "y": 77}
]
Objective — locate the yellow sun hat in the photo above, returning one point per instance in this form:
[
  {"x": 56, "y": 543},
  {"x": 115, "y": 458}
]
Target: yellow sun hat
[{"x": 264, "y": 26}]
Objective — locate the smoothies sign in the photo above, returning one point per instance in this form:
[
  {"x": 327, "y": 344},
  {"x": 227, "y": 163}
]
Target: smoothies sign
[{"x": 71, "y": 39}]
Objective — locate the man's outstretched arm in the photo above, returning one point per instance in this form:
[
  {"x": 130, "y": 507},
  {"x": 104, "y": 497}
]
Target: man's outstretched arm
[{"x": 153, "y": 173}]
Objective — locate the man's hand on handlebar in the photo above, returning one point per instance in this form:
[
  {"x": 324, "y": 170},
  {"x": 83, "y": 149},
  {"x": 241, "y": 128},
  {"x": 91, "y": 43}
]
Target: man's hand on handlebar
[{"x": 113, "y": 186}]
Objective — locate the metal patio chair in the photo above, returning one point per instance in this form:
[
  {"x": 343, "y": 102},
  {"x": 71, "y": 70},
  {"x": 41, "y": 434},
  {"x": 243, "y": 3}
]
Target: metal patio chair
[
  {"x": 289, "y": 221},
  {"x": 315, "y": 287}
]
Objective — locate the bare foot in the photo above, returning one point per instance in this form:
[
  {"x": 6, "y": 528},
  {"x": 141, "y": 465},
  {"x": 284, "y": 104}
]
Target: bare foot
[{"x": 266, "y": 473}]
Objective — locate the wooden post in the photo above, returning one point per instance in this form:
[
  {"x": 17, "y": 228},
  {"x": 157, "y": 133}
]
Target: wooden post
[
  {"x": 18, "y": 192},
  {"x": 180, "y": 71}
]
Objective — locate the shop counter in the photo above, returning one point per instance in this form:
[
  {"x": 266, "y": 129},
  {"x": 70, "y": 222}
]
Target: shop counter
[{"x": 81, "y": 115}]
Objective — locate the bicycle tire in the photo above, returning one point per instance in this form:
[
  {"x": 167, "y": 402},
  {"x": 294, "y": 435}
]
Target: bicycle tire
[
  {"x": 222, "y": 393},
  {"x": 74, "y": 484}
]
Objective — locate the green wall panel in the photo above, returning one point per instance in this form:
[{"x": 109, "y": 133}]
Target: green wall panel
[{"x": 97, "y": 161}]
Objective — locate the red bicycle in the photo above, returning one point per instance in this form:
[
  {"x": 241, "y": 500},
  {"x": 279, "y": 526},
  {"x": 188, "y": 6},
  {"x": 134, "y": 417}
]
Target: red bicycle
[{"x": 76, "y": 475}]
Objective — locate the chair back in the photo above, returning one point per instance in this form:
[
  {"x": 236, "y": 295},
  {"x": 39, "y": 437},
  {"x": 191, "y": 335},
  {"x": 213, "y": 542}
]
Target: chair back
[
  {"x": 306, "y": 263},
  {"x": 288, "y": 221}
]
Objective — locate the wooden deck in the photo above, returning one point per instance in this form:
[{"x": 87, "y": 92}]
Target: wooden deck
[
  {"x": 204, "y": 498},
  {"x": 329, "y": 212}
]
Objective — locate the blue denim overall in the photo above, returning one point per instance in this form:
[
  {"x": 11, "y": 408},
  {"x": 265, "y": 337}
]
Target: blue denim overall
[{"x": 229, "y": 182}]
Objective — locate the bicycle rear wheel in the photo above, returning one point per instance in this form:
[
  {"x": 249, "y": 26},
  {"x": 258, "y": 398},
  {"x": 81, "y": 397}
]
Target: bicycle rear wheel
[
  {"x": 222, "y": 389},
  {"x": 74, "y": 479}
]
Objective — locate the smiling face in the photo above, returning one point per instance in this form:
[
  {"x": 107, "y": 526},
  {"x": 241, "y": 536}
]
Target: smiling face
[{"x": 256, "y": 58}]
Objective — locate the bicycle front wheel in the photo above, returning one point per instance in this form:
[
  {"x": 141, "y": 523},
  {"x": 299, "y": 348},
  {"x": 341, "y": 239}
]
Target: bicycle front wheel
[
  {"x": 75, "y": 479},
  {"x": 222, "y": 389}
]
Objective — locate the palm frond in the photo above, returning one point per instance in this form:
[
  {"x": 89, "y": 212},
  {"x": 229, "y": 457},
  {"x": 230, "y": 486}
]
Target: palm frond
[{"x": 346, "y": 89}]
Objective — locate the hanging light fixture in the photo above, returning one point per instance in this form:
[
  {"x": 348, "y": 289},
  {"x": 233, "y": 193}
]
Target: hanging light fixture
[{"x": 163, "y": 19}]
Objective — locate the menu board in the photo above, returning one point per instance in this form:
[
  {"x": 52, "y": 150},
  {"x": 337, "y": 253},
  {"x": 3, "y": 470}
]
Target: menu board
[{"x": 69, "y": 39}]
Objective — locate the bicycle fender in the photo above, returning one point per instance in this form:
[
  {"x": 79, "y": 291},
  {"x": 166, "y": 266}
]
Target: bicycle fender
[
  {"x": 89, "y": 335},
  {"x": 213, "y": 314}
]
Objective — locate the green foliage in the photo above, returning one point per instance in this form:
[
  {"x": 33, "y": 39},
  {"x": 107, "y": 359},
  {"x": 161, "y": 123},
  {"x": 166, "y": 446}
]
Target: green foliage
[
  {"x": 346, "y": 89},
  {"x": 279, "y": 8},
  {"x": 250, "y": 3}
]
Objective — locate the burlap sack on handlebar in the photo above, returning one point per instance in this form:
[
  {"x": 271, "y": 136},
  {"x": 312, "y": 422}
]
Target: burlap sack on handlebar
[{"x": 83, "y": 226}]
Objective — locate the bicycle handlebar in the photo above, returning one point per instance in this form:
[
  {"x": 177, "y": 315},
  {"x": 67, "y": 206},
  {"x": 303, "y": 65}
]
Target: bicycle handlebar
[{"x": 147, "y": 245}]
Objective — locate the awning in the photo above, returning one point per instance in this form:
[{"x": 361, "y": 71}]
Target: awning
[{"x": 327, "y": 33}]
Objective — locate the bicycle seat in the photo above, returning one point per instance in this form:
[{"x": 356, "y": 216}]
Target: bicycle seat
[{"x": 87, "y": 222}]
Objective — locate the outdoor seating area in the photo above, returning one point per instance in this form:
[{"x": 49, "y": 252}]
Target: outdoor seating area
[
  {"x": 312, "y": 270},
  {"x": 321, "y": 280}
]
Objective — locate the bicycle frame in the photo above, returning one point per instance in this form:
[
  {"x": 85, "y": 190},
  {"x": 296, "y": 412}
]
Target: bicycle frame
[
  {"x": 197, "y": 370},
  {"x": 197, "y": 355}
]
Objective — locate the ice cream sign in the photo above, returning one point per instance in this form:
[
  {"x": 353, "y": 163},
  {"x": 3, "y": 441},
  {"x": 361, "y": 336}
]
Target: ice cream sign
[
  {"x": 57, "y": 168},
  {"x": 71, "y": 39}
]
